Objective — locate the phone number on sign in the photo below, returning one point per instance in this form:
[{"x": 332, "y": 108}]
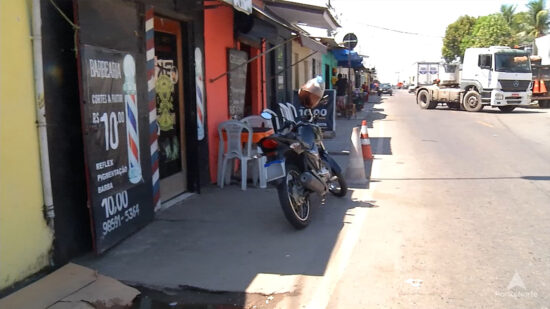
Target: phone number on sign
[{"x": 117, "y": 220}]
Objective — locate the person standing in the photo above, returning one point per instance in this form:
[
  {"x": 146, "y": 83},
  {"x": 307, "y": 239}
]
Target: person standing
[
  {"x": 333, "y": 79},
  {"x": 341, "y": 86},
  {"x": 365, "y": 89}
]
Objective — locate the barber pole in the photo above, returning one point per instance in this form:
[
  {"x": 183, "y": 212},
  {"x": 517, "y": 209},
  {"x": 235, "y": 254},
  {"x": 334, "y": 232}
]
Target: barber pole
[
  {"x": 132, "y": 129},
  {"x": 365, "y": 142},
  {"x": 199, "y": 82},
  {"x": 153, "y": 126}
]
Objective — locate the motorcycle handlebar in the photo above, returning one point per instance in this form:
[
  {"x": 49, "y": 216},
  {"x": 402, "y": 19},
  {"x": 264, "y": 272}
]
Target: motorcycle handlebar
[{"x": 288, "y": 124}]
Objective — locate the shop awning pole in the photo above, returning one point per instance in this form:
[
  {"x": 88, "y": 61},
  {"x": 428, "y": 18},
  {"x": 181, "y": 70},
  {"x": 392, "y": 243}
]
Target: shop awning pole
[{"x": 250, "y": 60}]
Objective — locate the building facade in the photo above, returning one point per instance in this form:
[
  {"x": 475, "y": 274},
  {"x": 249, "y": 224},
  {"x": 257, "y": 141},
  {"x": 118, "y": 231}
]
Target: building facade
[{"x": 133, "y": 93}]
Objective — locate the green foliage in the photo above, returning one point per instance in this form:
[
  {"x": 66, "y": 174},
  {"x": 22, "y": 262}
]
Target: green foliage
[
  {"x": 505, "y": 28},
  {"x": 538, "y": 17},
  {"x": 491, "y": 30},
  {"x": 454, "y": 36},
  {"x": 521, "y": 28},
  {"x": 507, "y": 12}
]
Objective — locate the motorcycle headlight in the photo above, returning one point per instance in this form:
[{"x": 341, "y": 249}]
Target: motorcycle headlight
[{"x": 296, "y": 146}]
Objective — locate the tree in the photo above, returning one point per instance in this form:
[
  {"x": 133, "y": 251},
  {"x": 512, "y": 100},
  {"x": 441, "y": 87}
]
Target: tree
[
  {"x": 454, "y": 35},
  {"x": 521, "y": 28},
  {"x": 489, "y": 31},
  {"x": 507, "y": 12},
  {"x": 538, "y": 17}
]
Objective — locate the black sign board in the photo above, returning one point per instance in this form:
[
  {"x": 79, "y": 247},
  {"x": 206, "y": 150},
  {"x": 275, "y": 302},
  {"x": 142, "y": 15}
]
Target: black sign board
[
  {"x": 326, "y": 110},
  {"x": 350, "y": 40},
  {"x": 237, "y": 82},
  {"x": 118, "y": 189}
]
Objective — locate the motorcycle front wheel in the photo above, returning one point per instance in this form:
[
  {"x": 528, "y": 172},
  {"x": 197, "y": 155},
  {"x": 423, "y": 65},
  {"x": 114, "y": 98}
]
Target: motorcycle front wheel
[
  {"x": 294, "y": 198},
  {"x": 337, "y": 184}
]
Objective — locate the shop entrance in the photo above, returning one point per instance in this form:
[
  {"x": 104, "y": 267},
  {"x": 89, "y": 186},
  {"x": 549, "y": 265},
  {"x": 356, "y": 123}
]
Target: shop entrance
[{"x": 170, "y": 107}]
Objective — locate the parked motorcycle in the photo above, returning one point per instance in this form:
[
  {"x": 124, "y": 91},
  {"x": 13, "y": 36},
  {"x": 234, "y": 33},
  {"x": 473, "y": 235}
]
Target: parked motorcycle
[
  {"x": 298, "y": 150},
  {"x": 357, "y": 99}
]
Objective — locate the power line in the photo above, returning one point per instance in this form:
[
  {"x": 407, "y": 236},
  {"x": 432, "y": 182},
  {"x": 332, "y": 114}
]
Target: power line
[{"x": 399, "y": 31}]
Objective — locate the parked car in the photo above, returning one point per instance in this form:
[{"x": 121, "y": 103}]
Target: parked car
[{"x": 385, "y": 89}]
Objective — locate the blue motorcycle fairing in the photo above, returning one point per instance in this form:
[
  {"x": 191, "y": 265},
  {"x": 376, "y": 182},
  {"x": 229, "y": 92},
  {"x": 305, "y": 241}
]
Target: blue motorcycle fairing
[{"x": 331, "y": 162}]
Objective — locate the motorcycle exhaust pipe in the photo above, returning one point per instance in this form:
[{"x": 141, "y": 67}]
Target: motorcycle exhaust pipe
[{"x": 312, "y": 183}]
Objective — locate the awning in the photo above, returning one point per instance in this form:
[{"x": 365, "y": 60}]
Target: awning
[
  {"x": 330, "y": 42},
  {"x": 244, "y": 6},
  {"x": 353, "y": 60},
  {"x": 304, "y": 14},
  {"x": 312, "y": 44},
  {"x": 253, "y": 28}
]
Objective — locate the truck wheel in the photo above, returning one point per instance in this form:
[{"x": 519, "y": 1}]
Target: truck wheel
[
  {"x": 507, "y": 108},
  {"x": 423, "y": 99},
  {"x": 544, "y": 104},
  {"x": 472, "y": 101}
]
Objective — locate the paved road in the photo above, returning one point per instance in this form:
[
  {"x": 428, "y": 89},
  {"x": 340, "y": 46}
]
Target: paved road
[{"x": 463, "y": 216}]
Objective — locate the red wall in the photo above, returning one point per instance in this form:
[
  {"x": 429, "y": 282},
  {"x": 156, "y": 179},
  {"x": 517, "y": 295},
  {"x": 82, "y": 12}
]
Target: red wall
[{"x": 218, "y": 37}]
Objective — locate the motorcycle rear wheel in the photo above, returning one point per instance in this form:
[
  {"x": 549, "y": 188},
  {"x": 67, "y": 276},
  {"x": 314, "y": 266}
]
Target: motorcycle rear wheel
[{"x": 294, "y": 199}]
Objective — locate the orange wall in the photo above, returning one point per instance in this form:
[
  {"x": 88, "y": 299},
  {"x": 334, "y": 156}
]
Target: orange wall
[
  {"x": 218, "y": 37},
  {"x": 256, "y": 68}
]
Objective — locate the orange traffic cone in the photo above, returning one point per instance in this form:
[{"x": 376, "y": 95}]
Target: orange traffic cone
[
  {"x": 536, "y": 88},
  {"x": 542, "y": 87},
  {"x": 365, "y": 142}
]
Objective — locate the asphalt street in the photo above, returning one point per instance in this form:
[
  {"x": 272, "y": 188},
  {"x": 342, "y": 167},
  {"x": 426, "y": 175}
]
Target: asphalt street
[{"x": 462, "y": 214}]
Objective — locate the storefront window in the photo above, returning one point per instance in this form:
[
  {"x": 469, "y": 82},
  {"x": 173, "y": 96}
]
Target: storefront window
[{"x": 277, "y": 76}]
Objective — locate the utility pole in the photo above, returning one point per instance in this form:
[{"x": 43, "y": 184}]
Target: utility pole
[
  {"x": 349, "y": 78},
  {"x": 350, "y": 41}
]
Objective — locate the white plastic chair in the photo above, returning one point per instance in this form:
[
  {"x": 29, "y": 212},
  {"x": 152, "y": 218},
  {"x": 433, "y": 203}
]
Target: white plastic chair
[
  {"x": 256, "y": 121},
  {"x": 274, "y": 118},
  {"x": 285, "y": 112},
  {"x": 292, "y": 111},
  {"x": 232, "y": 148}
]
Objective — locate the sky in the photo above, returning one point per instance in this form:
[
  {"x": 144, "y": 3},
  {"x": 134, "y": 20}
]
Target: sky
[{"x": 394, "y": 53}]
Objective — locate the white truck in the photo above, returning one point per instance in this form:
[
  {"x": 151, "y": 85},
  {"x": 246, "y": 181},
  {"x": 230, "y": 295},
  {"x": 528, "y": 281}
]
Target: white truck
[
  {"x": 540, "y": 65},
  {"x": 497, "y": 76},
  {"x": 423, "y": 73}
]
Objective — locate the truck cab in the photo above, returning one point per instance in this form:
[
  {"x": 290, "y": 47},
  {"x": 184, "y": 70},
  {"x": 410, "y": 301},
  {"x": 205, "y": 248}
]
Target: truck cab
[{"x": 501, "y": 75}]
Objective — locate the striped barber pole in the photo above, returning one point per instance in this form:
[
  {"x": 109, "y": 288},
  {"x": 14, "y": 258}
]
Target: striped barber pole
[
  {"x": 134, "y": 169},
  {"x": 153, "y": 131}
]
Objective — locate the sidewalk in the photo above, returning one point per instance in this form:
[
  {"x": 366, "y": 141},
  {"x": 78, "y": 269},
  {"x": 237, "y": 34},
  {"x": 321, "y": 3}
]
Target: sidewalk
[{"x": 233, "y": 240}]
